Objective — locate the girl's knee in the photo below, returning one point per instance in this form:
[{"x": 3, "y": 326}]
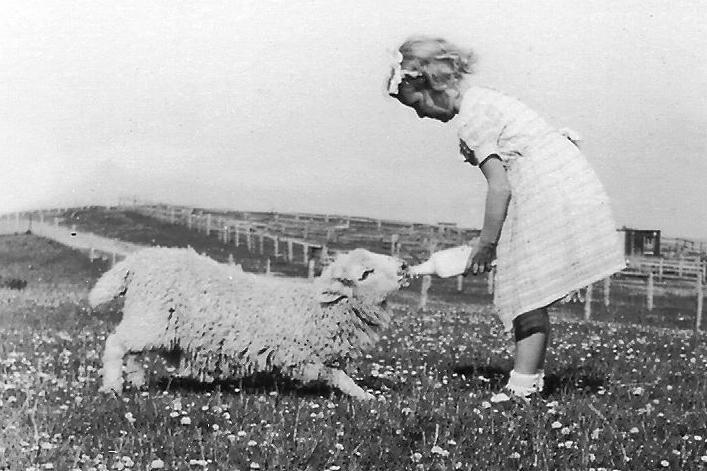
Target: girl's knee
[{"x": 532, "y": 322}]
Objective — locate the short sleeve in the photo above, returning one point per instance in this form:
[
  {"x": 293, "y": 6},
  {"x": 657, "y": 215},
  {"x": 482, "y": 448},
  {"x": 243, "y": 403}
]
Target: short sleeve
[{"x": 481, "y": 131}]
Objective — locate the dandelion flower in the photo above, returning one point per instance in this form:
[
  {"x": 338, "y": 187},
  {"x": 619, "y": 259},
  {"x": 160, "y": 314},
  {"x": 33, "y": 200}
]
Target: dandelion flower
[
  {"x": 185, "y": 421},
  {"x": 634, "y": 430},
  {"x": 665, "y": 463},
  {"x": 241, "y": 433},
  {"x": 252, "y": 443},
  {"x": 556, "y": 425},
  {"x": 416, "y": 457},
  {"x": 254, "y": 465},
  {"x": 157, "y": 464}
]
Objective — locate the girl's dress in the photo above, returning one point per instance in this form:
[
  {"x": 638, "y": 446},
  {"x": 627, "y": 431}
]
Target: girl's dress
[{"x": 559, "y": 234}]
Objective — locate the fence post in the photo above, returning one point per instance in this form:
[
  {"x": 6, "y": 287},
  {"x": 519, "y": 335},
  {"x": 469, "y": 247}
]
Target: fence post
[
  {"x": 491, "y": 280},
  {"x": 267, "y": 266},
  {"x": 276, "y": 246},
  {"x": 460, "y": 283},
  {"x": 208, "y": 224},
  {"x": 394, "y": 244},
  {"x": 112, "y": 259},
  {"x": 660, "y": 270},
  {"x": 649, "y": 293},
  {"x": 235, "y": 236},
  {"x": 607, "y": 291},
  {"x": 310, "y": 269},
  {"x": 305, "y": 253},
  {"x": 290, "y": 255},
  {"x": 700, "y": 295},
  {"x": 249, "y": 240},
  {"x": 261, "y": 244},
  {"x": 588, "y": 302},
  {"x": 426, "y": 283},
  {"x": 189, "y": 221}
]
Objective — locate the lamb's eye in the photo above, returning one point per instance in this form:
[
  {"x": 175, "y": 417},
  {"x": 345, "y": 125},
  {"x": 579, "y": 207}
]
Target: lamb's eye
[{"x": 365, "y": 274}]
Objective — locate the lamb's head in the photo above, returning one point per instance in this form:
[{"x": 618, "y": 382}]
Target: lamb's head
[{"x": 362, "y": 275}]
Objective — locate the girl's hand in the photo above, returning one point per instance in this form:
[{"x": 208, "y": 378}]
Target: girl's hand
[
  {"x": 467, "y": 153},
  {"x": 481, "y": 258}
]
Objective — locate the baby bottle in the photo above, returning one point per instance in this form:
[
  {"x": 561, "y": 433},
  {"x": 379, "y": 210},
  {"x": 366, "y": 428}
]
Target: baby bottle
[{"x": 444, "y": 263}]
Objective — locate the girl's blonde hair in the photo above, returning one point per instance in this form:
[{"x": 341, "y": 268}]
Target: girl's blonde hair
[{"x": 441, "y": 63}]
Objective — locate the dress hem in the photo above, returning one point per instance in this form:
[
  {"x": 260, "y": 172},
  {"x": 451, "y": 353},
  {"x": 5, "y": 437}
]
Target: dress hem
[{"x": 547, "y": 300}]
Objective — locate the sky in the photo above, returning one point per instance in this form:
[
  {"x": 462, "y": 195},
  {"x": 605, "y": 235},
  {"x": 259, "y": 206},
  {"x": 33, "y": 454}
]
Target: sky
[{"x": 280, "y": 105}]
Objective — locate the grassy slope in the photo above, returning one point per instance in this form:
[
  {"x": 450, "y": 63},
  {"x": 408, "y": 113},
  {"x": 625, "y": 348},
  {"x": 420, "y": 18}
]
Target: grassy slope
[{"x": 624, "y": 396}]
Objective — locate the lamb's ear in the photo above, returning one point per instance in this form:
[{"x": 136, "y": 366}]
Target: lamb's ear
[{"x": 334, "y": 291}]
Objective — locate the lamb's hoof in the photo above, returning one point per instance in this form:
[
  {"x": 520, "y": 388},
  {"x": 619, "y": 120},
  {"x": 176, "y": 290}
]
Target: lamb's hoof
[
  {"x": 363, "y": 396},
  {"x": 136, "y": 381}
]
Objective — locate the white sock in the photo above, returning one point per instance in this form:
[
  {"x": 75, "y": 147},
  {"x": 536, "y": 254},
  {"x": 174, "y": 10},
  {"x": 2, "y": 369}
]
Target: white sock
[{"x": 523, "y": 385}]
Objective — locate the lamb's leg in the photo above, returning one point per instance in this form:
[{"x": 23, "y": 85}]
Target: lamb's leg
[
  {"x": 135, "y": 371},
  {"x": 113, "y": 365},
  {"x": 335, "y": 378}
]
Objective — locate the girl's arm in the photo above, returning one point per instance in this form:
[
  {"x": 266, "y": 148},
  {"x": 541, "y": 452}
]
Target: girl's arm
[{"x": 497, "y": 198}]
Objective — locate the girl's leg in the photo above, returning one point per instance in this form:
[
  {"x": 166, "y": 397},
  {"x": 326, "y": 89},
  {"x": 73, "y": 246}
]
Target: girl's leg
[{"x": 532, "y": 334}]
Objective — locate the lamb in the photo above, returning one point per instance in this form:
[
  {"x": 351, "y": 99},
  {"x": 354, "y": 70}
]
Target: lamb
[{"x": 229, "y": 324}]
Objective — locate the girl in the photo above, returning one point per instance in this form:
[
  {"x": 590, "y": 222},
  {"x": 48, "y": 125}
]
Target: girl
[{"x": 547, "y": 219}]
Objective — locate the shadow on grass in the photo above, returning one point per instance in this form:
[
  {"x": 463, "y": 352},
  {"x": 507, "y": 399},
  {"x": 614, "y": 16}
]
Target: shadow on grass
[
  {"x": 563, "y": 381},
  {"x": 255, "y": 384}
]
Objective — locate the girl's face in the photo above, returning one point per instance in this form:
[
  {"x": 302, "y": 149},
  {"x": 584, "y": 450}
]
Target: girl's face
[{"x": 427, "y": 103}]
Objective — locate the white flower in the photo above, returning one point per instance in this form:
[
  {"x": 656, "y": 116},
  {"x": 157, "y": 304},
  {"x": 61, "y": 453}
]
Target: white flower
[
  {"x": 129, "y": 417},
  {"x": 637, "y": 391},
  {"x": 252, "y": 443},
  {"x": 634, "y": 430},
  {"x": 185, "y": 421},
  {"x": 515, "y": 455},
  {"x": 556, "y": 424},
  {"x": 416, "y": 457},
  {"x": 254, "y": 465},
  {"x": 157, "y": 464}
]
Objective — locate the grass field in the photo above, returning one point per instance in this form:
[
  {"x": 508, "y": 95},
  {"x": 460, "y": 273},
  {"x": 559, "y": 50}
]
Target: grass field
[{"x": 621, "y": 395}]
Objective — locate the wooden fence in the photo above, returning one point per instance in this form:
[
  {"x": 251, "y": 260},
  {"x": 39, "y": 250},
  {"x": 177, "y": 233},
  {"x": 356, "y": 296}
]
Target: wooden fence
[{"x": 253, "y": 230}]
